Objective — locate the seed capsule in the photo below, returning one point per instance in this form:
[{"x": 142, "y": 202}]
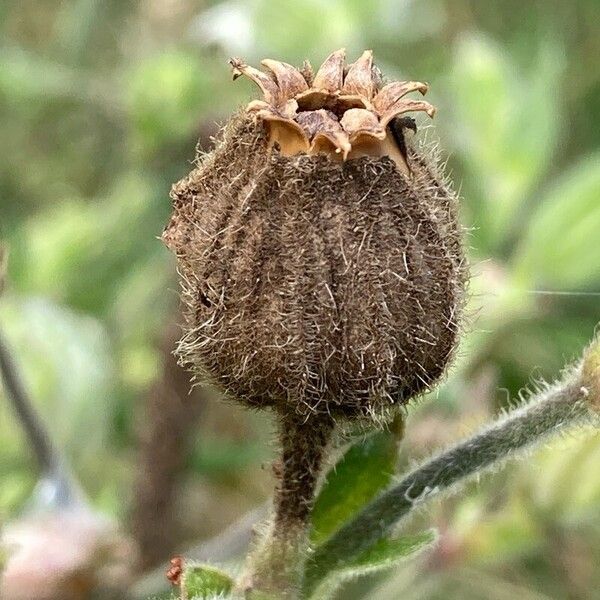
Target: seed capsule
[{"x": 319, "y": 246}]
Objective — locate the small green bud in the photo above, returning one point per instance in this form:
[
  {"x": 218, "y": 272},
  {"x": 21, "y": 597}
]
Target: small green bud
[{"x": 205, "y": 581}]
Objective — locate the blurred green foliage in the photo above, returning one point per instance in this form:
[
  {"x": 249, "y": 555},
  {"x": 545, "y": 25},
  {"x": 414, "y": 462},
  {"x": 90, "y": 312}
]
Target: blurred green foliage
[{"x": 101, "y": 105}]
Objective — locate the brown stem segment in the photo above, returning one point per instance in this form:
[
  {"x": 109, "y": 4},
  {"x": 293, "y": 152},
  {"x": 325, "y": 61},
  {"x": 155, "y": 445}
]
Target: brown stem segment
[
  {"x": 276, "y": 567},
  {"x": 303, "y": 444}
]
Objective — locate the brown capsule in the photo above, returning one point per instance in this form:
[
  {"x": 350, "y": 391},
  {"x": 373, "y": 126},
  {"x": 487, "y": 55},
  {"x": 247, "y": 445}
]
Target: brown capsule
[{"x": 319, "y": 247}]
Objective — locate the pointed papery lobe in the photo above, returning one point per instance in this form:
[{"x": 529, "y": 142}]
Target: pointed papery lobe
[
  {"x": 359, "y": 79},
  {"x": 269, "y": 88},
  {"x": 392, "y": 92},
  {"x": 358, "y": 121},
  {"x": 331, "y": 73},
  {"x": 404, "y": 106},
  {"x": 323, "y": 128},
  {"x": 289, "y": 79}
]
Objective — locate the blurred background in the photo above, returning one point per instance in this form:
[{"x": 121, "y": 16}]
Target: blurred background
[{"x": 102, "y": 104}]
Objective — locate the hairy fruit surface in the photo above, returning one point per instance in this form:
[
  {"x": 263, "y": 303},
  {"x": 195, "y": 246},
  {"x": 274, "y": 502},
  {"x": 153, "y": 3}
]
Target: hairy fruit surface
[{"x": 319, "y": 247}]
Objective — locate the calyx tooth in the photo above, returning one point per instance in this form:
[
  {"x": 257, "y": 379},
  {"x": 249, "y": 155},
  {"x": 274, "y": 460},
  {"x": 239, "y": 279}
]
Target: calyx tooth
[
  {"x": 330, "y": 75},
  {"x": 359, "y": 79},
  {"x": 358, "y": 121},
  {"x": 325, "y": 140},
  {"x": 404, "y": 106},
  {"x": 347, "y": 101},
  {"x": 269, "y": 88},
  {"x": 290, "y": 136},
  {"x": 307, "y": 72},
  {"x": 313, "y": 99},
  {"x": 289, "y": 79},
  {"x": 289, "y": 109},
  {"x": 325, "y": 131},
  {"x": 256, "y": 105},
  {"x": 314, "y": 121},
  {"x": 392, "y": 92},
  {"x": 284, "y": 111}
]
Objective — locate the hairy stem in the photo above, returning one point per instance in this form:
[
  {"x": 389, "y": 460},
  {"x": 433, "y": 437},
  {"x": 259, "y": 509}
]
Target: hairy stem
[
  {"x": 276, "y": 567},
  {"x": 303, "y": 445},
  {"x": 562, "y": 406}
]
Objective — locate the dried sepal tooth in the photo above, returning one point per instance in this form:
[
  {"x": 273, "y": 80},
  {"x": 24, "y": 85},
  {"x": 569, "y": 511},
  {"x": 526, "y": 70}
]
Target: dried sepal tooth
[
  {"x": 323, "y": 128},
  {"x": 288, "y": 135},
  {"x": 256, "y": 105},
  {"x": 359, "y": 79},
  {"x": 285, "y": 111},
  {"x": 331, "y": 142},
  {"x": 307, "y": 72},
  {"x": 373, "y": 147},
  {"x": 330, "y": 75},
  {"x": 290, "y": 109},
  {"x": 314, "y": 99},
  {"x": 392, "y": 92},
  {"x": 267, "y": 85},
  {"x": 404, "y": 106},
  {"x": 358, "y": 122},
  {"x": 346, "y": 101},
  {"x": 289, "y": 79},
  {"x": 313, "y": 121}
]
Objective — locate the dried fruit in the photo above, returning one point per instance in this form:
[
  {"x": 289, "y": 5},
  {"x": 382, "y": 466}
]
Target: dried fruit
[{"x": 319, "y": 247}]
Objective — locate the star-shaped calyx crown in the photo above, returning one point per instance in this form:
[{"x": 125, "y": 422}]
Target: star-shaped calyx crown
[{"x": 342, "y": 110}]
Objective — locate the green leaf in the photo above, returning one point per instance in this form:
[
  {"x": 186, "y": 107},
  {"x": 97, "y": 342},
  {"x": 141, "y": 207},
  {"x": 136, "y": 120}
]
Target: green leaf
[
  {"x": 506, "y": 127},
  {"x": 205, "y": 581},
  {"x": 79, "y": 252},
  {"x": 166, "y": 94},
  {"x": 25, "y": 76},
  {"x": 287, "y": 28},
  {"x": 383, "y": 555},
  {"x": 365, "y": 469},
  {"x": 560, "y": 248},
  {"x": 67, "y": 364}
]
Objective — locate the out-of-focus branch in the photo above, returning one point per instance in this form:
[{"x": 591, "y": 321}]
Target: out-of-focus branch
[
  {"x": 171, "y": 416},
  {"x": 56, "y": 487},
  {"x": 44, "y": 450},
  {"x": 3, "y": 267},
  {"x": 46, "y": 454}
]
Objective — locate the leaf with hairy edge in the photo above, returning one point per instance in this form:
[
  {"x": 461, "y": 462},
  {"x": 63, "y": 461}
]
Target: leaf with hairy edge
[
  {"x": 366, "y": 468},
  {"x": 202, "y": 582},
  {"x": 384, "y": 554}
]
